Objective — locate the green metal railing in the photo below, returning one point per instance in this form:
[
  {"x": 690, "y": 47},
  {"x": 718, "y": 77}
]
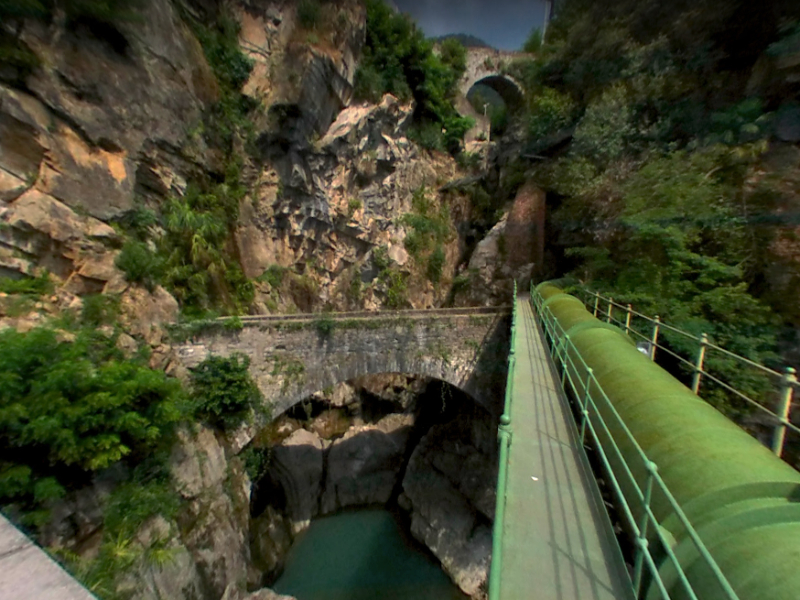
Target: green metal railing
[
  {"x": 649, "y": 332},
  {"x": 504, "y": 438},
  {"x": 656, "y": 568}
]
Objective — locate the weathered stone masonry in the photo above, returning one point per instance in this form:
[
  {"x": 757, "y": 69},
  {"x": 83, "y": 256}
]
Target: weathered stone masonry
[{"x": 292, "y": 359}]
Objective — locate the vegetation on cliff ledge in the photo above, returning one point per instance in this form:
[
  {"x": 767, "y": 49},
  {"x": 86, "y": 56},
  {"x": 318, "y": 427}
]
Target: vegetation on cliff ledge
[{"x": 399, "y": 60}]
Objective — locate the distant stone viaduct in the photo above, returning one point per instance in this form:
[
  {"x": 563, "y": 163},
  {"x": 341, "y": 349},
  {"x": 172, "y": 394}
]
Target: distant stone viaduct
[
  {"x": 294, "y": 356},
  {"x": 485, "y": 66}
]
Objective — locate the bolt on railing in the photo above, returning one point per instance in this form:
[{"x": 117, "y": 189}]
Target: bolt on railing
[{"x": 648, "y": 331}]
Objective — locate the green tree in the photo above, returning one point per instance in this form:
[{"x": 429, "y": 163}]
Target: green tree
[
  {"x": 534, "y": 42},
  {"x": 68, "y": 409},
  {"x": 224, "y": 391},
  {"x": 398, "y": 60}
]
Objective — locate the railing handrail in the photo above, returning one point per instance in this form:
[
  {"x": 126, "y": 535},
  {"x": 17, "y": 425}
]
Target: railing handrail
[
  {"x": 504, "y": 440},
  {"x": 603, "y": 307},
  {"x": 564, "y": 352},
  {"x": 709, "y": 344}
]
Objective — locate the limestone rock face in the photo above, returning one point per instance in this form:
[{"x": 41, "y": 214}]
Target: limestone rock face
[
  {"x": 271, "y": 540},
  {"x": 130, "y": 93},
  {"x": 298, "y": 464},
  {"x": 214, "y": 520},
  {"x": 449, "y": 488},
  {"x": 106, "y": 119},
  {"x": 364, "y": 463},
  {"x": 233, "y": 593},
  {"x": 338, "y": 201},
  {"x": 145, "y": 313},
  {"x": 512, "y": 251},
  {"x": 198, "y": 463}
]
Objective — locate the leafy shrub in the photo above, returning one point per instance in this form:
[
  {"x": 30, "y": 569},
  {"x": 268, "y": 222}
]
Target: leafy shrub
[
  {"x": 353, "y": 206},
  {"x": 550, "y": 111},
  {"x": 200, "y": 271},
  {"x": 121, "y": 550},
  {"x": 35, "y": 286},
  {"x": 428, "y": 135},
  {"x": 221, "y": 46},
  {"x": 427, "y": 228},
  {"x": 436, "y": 264},
  {"x": 602, "y": 135},
  {"x": 380, "y": 258},
  {"x": 453, "y": 54},
  {"x": 789, "y": 43},
  {"x": 139, "y": 221},
  {"x": 99, "y": 309},
  {"x": 399, "y": 60},
  {"x": 140, "y": 264},
  {"x": 309, "y": 13},
  {"x": 324, "y": 325},
  {"x": 68, "y": 409},
  {"x": 274, "y": 276},
  {"x": 256, "y": 462},
  {"x": 397, "y": 290},
  {"x": 534, "y": 42},
  {"x": 224, "y": 391},
  {"x": 369, "y": 84}
]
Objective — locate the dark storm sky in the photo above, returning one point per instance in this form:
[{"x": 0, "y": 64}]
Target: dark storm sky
[{"x": 504, "y": 24}]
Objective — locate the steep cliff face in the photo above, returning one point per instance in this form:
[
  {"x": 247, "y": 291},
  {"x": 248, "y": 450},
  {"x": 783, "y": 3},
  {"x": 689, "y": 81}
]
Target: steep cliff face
[
  {"x": 328, "y": 212},
  {"x": 117, "y": 120},
  {"x": 104, "y": 120}
]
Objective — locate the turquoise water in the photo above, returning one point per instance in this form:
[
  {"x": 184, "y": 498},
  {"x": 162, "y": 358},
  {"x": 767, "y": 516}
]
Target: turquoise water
[{"x": 361, "y": 555}]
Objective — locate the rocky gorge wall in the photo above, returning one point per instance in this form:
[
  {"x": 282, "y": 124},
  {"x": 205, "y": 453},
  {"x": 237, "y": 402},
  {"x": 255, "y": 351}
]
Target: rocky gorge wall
[
  {"x": 395, "y": 440},
  {"x": 116, "y": 120}
]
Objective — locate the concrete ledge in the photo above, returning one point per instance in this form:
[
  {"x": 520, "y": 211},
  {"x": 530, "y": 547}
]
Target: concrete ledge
[{"x": 28, "y": 573}]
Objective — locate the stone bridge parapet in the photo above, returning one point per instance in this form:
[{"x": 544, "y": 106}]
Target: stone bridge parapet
[{"x": 294, "y": 356}]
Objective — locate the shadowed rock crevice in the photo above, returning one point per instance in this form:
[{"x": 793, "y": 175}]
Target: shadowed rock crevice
[{"x": 424, "y": 455}]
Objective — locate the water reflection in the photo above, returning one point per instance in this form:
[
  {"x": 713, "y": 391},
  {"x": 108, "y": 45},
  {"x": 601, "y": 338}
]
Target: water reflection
[{"x": 362, "y": 555}]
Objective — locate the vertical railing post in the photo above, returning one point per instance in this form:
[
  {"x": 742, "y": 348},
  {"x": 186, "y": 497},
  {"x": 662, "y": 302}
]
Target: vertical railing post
[
  {"x": 698, "y": 366},
  {"x": 784, "y": 410},
  {"x": 641, "y": 541},
  {"x": 628, "y": 320},
  {"x": 610, "y": 314},
  {"x": 596, "y": 303},
  {"x": 654, "y": 338},
  {"x": 565, "y": 346}
]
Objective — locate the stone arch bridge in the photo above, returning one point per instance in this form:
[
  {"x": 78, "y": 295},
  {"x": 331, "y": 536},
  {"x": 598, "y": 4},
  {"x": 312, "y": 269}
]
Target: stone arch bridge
[
  {"x": 486, "y": 66},
  {"x": 294, "y": 356}
]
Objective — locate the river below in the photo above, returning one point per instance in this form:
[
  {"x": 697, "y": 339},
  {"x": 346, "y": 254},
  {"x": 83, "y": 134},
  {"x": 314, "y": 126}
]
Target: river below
[{"x": 362, "y": 555}]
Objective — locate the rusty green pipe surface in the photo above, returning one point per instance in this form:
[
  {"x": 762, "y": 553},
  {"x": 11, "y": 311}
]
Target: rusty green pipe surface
[{"x": 723, "y": 479}]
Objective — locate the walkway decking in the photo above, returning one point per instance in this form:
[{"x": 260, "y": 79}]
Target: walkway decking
[
  {"x": 27, "y": 573},
  {"x": 557, "y": 537}
]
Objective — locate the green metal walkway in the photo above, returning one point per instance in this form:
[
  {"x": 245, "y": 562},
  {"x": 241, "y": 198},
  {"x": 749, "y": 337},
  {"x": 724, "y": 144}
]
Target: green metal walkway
[{"x": 556, "y": 541}]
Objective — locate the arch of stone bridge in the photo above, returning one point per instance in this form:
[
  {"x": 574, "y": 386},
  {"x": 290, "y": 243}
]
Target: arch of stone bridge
[
  {"x": 485, "y": 66},
  {"x": 290, "y": 361}
]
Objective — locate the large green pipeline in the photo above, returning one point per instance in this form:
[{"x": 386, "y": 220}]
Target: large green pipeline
[{"x": 742, "y": 500}]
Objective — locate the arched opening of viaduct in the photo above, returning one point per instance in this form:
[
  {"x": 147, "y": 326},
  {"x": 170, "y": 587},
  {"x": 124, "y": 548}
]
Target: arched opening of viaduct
[
  {"x": 488, "y": 93},
  {"x": 291, "y": 358}
]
